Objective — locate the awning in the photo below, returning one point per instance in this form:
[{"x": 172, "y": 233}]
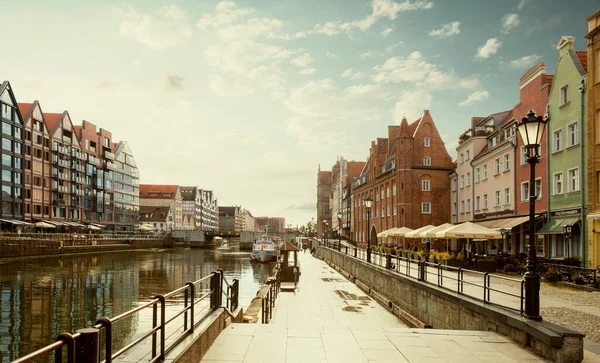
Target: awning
[
  {"x": 555, "y": 225},
  {"x": 504, "y": 223},
  {"x": 98, "y": 225},
  {"x": 417, "y": 232},
  {"x": 56, "y": 223},
  {"x": 13, "y": 221}
]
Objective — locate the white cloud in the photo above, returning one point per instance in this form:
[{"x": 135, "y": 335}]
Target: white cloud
[
  {"x": 510, "y": 21},
  {"x": 490, "y": 48},
  {"x": 411, "y": 104},
  {"x": 522, "y": 3},
  {"x": 362, "y": 89},
  {"x": 380, "y": 9},
  {"x": 417, "y": 70},
  {"x": 522, "y": 63},
  {"x": 302, "y": 61},
  {"x": 226, "y": 12},
  {"x": 348, "y": 73},
  {"x": 447, "y": 30},
  {"x": 308, "y": 71},
  {"x": 331, "y": 55},
  {"x": 169, "y": 28},
  {"x": 387, "y": 31},
  {"x": 475, "y": 97}
]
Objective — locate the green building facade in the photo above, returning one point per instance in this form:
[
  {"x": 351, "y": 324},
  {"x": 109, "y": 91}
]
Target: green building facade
[{"x": 566, "y": 230}]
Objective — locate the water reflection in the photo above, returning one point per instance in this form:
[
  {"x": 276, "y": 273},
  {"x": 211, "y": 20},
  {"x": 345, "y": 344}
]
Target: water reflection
[{"x": 42, "y": 297}]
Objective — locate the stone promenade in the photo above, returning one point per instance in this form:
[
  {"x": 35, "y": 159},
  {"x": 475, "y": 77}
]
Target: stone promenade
[{"x": 328, "y": 319}]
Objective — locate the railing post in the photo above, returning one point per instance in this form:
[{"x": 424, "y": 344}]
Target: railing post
[
  {"x": 485, "y": 287},
  {"x": 107, "y": 325},
  {"x": 522, "y": 293},
  {"x": 185, "y": 313},
  {"x": 88, "y": 345},
  {"x": 154, "y": 325},
  {"x": 192, "y": 294},
  {"x": 388, "y": 261},
  {"x": 214, "y": 288},
  {"x": 70, "y": 342},
  {"x": 161, "y": 299}
]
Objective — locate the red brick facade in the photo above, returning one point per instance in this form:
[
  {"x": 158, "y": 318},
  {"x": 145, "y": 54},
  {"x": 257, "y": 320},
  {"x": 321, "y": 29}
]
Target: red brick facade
[{"x": 394, "y": 177}]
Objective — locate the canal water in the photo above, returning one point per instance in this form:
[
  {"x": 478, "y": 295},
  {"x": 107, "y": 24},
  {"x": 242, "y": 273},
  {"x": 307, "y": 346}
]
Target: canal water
[{"x": 43, "y": 297}]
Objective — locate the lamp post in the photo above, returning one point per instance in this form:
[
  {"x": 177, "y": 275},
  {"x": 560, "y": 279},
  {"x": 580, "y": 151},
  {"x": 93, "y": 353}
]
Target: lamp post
[
  {"x": 339, "y": 215},
  {"x": 325, "y": 232},
  {"x": 505, "y": 233},
  {"x": 368, "y": 202},
  {"x": 531, "y": 129},
  {"x": 567, "y": 231}
]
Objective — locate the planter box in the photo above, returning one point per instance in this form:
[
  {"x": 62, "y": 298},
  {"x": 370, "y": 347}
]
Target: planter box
[
  {"x": 485, "y": 266},
  {"x": 452, "y": 263}
]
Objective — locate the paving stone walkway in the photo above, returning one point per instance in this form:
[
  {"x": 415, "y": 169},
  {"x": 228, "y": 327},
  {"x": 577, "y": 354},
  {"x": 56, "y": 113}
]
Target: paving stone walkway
[{"x": 328, "y": 319}]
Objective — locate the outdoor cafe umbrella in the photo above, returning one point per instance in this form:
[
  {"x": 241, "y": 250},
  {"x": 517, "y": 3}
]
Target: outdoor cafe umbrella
[
  {"x": 471, "y": 231},
  {"x": 44, "y": 225},
  {"x": 433, "y": 233},
  {"x": 416, "y": 233},
  {"x": 93, "y": 228},
  {"x": 395, "y": 232}
]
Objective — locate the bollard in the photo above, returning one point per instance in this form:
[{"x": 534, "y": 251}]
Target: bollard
[{"x": 87, "y": 348}]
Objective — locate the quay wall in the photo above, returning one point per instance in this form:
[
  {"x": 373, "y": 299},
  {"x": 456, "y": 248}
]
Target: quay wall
[{"x": 444, "y": 309}]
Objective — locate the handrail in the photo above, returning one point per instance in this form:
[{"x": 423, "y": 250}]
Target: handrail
[{"x": 159, "y": 322}]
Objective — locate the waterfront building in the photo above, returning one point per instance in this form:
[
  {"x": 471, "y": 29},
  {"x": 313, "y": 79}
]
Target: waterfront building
[
  {"x": 161, "y": 218},
  {"x": 208, "y": 210},
  {"x": 406, "y": 175},
  {"x": 353, "y": 170},
  {"x": 153, "y": 195},
  {"x": 593, "y": 137},
  {"x": 12, "y": 154},
  {"x": 463, "y": 177},
  {"x": 68, "y": 169},
  {"x": 276, "y": 224},
  {"x": 230, "y": 218},
  {"x": 247, "y": 221},
  {"x": 566, "y": 155},
  {"x": 191, "y": 206},
  {"x": 126, "y": 189},
  {"x": 335, "y": 196},
  {"x": 37, "y": 162},
  {"x": 97, "y": 145},
  {"x": 323, "y": 200},
  {"x": 342, "y": 173}
]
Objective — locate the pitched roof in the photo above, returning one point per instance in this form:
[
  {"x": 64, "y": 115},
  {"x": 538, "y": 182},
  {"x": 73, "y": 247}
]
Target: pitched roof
[
  {"x": 227, "y": 210},
  {"x": 289, "y": 247},
  {"x": 25, "y": 109},
  {"x": 413, "y": 127},
  {"x": 158, "y": 214},
  {"x": 52, "y": 120},
  {"x": 532, "y": 70},
  {"x": 188, "y": 193},
  {"x": 146, "y": 189},
  {"x": 582, "y": 54}
]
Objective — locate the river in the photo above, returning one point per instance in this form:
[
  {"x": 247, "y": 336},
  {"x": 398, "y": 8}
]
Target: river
[{"x": 42, "y": 297}]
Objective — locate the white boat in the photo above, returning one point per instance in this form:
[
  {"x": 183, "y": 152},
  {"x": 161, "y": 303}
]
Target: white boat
[{"x": 264, "y": 249}]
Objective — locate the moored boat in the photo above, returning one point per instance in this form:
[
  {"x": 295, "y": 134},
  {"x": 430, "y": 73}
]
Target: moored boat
[{"x": 264, "y": 249}]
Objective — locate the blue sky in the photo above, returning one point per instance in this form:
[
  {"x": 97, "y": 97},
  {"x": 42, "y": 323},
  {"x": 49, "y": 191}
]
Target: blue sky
[{"x": 249, "y": 97}]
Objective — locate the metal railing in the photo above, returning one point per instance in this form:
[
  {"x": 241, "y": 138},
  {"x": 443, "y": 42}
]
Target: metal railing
[
  {"x": 268, "y": 301},
  {"x": 479, "y": 284},
  {"x": 588, "y": 276},
  {"x": 85, "y": 345}
]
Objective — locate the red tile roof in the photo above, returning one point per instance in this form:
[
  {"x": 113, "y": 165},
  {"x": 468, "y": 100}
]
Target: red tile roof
[
  {"x": 51, "y": 120},
  {"x": 483, "y": 151},
  {"x": 549, "y": 78},
  {"x": 24, "y": 108},
  {"x": 413, "y": 127},
  {"x": 146, "y": 189},
  {"x": 532, "y": 70},
  {"x": 355, "y": 168},
  {"x": 582, "y": 54}
]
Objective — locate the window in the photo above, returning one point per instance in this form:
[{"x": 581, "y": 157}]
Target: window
[
  {"x": 382, "y": 194},
  {"x": 462, "y": 158},
  {"x": 395, "y": 209},
  {"x": 425, "y": 185},
  {"x": 497, "y": 195},
  {"x": 497, "y": 166},
  {"x": 382, "y": 212},
  {"x": 524, "y": 191},
  {"x": 462, "y": 181},
  {"x": 468, "y": 179},
  {"x": 427, "y": 142},
  {"x": 572, "y": 138},
  {"x": 427, "y": 160},
  {"x": 573, "y": 180},
  {"x": 557, "y": 141},
  {"x": 394, "y": 189},
  {"x": 468, "y": 154},
  {"x": 477, "y": 178},
  {"x": 506, "y": 162},
  {"x": 462, "y": 206},
  {"x": 453, "y": 209},
  {"x": 426, "y": 208},
  {"x": 388, "y": 210},
  {"x": 387, "y": 192},
  {"x": 538, "y": 188},
  {"x": 453, "y": 184},
  {"x": 485, "y": 172},
  {"x": 485, "y": 201},
  {"x": 507, "y": 196},
  {"x": 564, "y": 95},
  {"x": 468, "y": 205},
  {"x": 477, "y": 203},
  {"x": 558, "y": 183}
]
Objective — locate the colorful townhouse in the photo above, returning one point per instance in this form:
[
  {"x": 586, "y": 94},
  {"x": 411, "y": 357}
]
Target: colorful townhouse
[
  {"x": 565, "y": 230},
  {"x": 593, "y": 138}
]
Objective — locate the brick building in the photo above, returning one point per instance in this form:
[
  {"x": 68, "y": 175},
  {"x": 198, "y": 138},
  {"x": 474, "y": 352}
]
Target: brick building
[
  {"x": 276, "y": 224},
  {"x": 323, "y": 199},
  {"x": 406, "y": 175},
  {"x": 230, "y": 219},
  {"x": 163, "y": 196}
]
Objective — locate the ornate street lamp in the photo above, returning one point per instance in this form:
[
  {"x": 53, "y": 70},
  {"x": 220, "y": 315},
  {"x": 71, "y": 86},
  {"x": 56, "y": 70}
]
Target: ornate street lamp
[
  {"x": 339, "y": 215},
  {"x": 567, "y": 230},
  {"x": 531, "y": 129},
  {"x": 368, "y": 203},
  {"x": 325, "y": 232}
]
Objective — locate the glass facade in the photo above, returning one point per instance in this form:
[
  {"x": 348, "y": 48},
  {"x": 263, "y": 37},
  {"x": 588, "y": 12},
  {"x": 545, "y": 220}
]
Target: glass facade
[
  {"x": 12, "y": 153},
  {"x": 126, "y": 186}
]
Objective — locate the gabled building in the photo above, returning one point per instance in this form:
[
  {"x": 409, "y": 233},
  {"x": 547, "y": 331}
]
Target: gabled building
[
  {"x": 12, "y": 154},
  {"x": 152, "y": 195},
  {"x": 161, "y": 218},
  {"x": 566, "y": 155},
  {"x": 354, "y": 168},
  {"x": 247, "y": 221},
  {"x": 68, "y": 168},
  {"x": 406, "y": 175},
  {"x": 209, "y": 210},
  {"x": 593, "y": 138},
  {"x": 323, "y": 200},
  {"x": 230, "y": 218},
  {"x": 276, "y": 224},
  {"x": 191, "y": 206},
  {"x": 126, "y": 189},
  {"x": 37, "y": 163}
]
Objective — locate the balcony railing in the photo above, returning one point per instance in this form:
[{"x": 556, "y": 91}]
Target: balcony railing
[
  {"x": 108, "y": 155},
  {"x": 93, "y": 160}
]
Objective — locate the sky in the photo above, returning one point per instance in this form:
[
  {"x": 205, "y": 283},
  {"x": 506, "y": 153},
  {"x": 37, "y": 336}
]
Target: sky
[{"x": 249, "y": 97}]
